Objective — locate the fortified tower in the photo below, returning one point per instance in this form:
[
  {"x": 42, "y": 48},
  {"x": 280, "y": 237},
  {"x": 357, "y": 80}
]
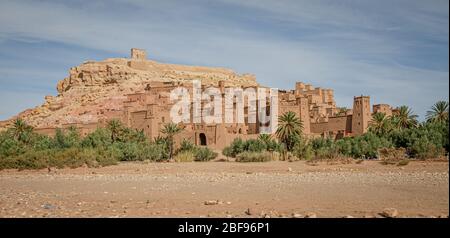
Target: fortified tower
[
  {"x": 361, "y": 115},
  {"x": 138, "y": 54}
]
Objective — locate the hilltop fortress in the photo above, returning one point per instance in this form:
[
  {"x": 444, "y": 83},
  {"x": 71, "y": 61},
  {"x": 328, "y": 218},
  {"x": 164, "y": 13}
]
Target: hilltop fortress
[{"x": 137, "y": 92}]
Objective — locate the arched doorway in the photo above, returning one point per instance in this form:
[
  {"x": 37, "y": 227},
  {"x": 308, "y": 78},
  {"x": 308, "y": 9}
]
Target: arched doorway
[{"x": 202, "y": 138}]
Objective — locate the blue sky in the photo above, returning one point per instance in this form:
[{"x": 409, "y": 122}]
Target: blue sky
[{"x": 396, "y": 51}]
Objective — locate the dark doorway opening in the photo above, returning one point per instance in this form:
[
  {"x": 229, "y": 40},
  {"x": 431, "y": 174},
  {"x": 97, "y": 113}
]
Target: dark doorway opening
[{"x": 202, "y": 138}]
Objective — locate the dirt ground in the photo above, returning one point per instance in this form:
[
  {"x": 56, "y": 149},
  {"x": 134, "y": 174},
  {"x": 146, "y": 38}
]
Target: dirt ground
[{"x": 275, "y": 189}]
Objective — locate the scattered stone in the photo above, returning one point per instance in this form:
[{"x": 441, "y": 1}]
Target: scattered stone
[
  {"x": 48, "y": 206},
  {"x": 249, "y": 211},
  {"x": 212, "y": 202},
  {"x": 389, "y": 213},
  {"x": 311, "y": 215}
]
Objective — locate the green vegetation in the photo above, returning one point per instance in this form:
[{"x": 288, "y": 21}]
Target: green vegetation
[
  {"x": 189, "y": 152},
  {"x": 393, "y": 139},
  {"x": 21, "y": 148},
  {"x": 170, "y": 130},
  {"x": 289, "y": 129}
]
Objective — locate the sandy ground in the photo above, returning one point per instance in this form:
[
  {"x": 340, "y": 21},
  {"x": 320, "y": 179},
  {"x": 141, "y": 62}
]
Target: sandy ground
[{"x": 278, "y": 189}]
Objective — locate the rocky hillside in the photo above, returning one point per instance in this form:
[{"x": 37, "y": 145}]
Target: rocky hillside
[{"x": 93, "y": 88}]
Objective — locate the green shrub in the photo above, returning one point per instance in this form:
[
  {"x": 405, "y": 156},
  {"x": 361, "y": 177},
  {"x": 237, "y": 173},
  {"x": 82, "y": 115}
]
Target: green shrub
[
  {"x": 44, "y": 143},
  {"x": 66, "y": 138},
  {"x": 129, "y": 151},
  {"x": 254, "y": 145},
  {"x": 253, "y": 157},
  {"x": 10, "y": 147},
  {"x": 303, "y": 150},
  {"x": 205, "y": 154},
  {"x": 153, "y": 152},
  {"x": 186, "y": 145},
  {"x": 228, "y": 151},
  {"x": 101, "y": 137},
  {"x": 31, "y": 160},
  {"x": 424, "y": 149}
]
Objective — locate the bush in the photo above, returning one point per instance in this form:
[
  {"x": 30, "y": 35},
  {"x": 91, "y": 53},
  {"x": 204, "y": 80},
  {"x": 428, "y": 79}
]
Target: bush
[
  {"x": 140, "y": 151},
  {"x": 44, "y": 143},
  {"x": 71, "y": 157},
  {"x": 28, "y": 160},
  {"x": 228, "y": 151},
  {"x": 10, "y": 147},
  {"x": 254, "y": 145},
  {"x": 154, "y": 152},
  {"x": 263, "y": 143},
  {"x": 367, "y": 145},
  {"x": 395, "y": 154},
  {"x": 236, "y": 147},
  {"x": 303, "y": 150},
  {"x": 186, "y": 145},
  {"x": 253, "y": 157},
  {"x": 205, "y": 154},
  {"x": 67, "y": 138},
  {"x": 424, "y": 149},
  {"x": 101, "y": 137},
  {"x": 185, "y": 156}
]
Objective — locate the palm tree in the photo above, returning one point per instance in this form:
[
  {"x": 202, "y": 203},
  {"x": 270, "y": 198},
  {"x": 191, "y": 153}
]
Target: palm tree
[
  {"x": 115, "y": 127},
  {"x": 266, "y": 138},
  {"x": 405, "y": 118},
  {"x": 380, "y": 123},
  {"x": 438, "y": 113},
  {"x": 20, "y": 128},
  {"x": 170, "y": 130},
  {"x": 289, "y": 128}
]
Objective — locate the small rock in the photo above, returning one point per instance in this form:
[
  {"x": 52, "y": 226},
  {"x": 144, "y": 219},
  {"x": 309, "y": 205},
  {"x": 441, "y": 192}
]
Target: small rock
[
  {"x": 229, "y": 216},
  {"x": 228, "y": 203},
  {"x": 297, "y": 215},
  {"x": 212, "y": 202},
  {"x": 389, "y": 213},
  {"x": 348, "y": 216},
  {"x": 48, "y": 206},
  {"x": 311, "y": 215},
  {"x": 289, "y": 169},
  {"x": 249, "y": 211}
]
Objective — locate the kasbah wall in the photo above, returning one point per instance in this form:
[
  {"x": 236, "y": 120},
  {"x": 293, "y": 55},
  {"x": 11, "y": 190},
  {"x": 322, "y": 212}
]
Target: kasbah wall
[{"x": 149, "y": 110}]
